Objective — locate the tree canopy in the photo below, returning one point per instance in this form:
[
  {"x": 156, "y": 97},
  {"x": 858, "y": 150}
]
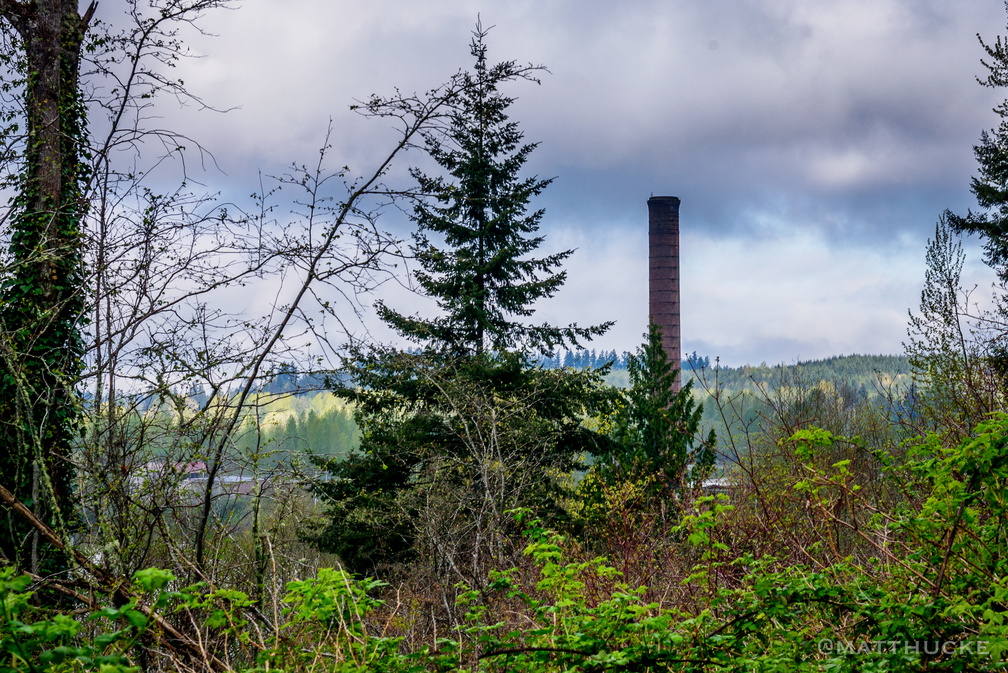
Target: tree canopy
[
  {"x": 468, "y": 427},
  {"x": 476, "y": 237},
  {"x": 990, "y": 186}
]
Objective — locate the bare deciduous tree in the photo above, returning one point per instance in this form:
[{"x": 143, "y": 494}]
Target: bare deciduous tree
[{"x": 170, "y": 365}]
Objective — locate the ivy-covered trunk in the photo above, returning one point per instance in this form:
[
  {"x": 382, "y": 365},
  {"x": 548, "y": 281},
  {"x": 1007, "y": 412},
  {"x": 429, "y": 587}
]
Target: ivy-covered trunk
[{"x": 41, "y": 302}]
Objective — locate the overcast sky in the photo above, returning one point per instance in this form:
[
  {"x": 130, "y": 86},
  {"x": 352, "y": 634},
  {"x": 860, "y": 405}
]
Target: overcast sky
[{"x": 813, "y": 143}]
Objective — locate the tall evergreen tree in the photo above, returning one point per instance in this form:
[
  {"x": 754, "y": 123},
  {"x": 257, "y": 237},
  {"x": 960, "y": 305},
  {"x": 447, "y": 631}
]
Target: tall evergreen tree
[
  {"x": 468, "y": 427},
  {"x": 475, "y": 237},
  {"x": 990, "y": 187},
  {"x": 656, "y": 431}
]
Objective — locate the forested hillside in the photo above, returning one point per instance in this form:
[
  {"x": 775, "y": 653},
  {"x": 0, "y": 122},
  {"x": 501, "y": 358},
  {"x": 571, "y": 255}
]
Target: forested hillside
[
  {"x": 317, "y": 422},
  {"x": 859, "y": 371},
  {"x": 296, "y": 425},
  {"x": 862, "y": 372}
]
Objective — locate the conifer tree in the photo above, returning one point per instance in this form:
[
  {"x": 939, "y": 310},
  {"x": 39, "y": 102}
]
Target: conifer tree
[
  {"x": 657, "y": 429},
  {"x": 990, "y": 187},
  {"x": 468, "y": 427},
  {"x": 475, "y": 237}
]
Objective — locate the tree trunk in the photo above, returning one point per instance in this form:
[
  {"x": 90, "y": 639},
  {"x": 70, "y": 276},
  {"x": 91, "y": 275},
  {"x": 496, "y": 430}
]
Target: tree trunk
[{"x": 41, "y": 300}]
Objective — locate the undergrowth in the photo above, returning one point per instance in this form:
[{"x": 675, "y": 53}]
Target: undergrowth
[{"x": 932, "y": 596}]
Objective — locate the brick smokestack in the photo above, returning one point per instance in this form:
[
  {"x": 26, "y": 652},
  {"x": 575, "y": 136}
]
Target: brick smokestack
[{"x": 663, "y": 258}]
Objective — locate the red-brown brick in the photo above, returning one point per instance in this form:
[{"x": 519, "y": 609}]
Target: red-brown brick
[{"x": 663, "y": 277}]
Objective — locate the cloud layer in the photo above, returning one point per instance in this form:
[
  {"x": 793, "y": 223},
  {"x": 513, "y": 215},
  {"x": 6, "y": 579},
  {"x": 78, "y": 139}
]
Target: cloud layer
[{"x": 813, "y": 144}]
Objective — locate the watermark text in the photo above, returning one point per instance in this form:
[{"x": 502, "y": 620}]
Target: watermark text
[{"x": 926, "y": 647}]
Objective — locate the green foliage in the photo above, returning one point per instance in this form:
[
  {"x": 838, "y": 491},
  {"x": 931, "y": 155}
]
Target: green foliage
[
  {"x": 655, "y": 431},
  {"x": 454, "y": 436},
  {"x": 930, "y": 597},
  {"x": 448, "y": 445},
  {"x": 481, "y": 272},
  {"x": 957, "y": 357},
  {"x": 329, "y": 611},
  {"x": 37, "y": 641},
  {"x": 990, "y": 187},
  {"x": 41, "y": 299}
]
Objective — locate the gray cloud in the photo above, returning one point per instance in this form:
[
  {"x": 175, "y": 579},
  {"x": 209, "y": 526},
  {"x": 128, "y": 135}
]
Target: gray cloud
[{"x": 792, "y": 130}]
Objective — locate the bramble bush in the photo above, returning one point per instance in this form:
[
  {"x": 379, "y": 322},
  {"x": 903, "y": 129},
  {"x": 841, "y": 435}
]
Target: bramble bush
[{"x": 932, "y": 596}]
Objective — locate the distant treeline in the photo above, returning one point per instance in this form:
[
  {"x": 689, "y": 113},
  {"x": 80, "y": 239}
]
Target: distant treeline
[
  {"x": 305, "y": 418},
  {"x": 859, "y": 371},
  {"x": 853, "y": 369},
  {"x": 583, "y": 359}
]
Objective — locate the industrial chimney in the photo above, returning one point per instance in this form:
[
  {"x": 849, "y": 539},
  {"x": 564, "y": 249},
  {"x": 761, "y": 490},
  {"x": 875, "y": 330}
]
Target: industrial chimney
[{"x": 663, "y": 242}]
